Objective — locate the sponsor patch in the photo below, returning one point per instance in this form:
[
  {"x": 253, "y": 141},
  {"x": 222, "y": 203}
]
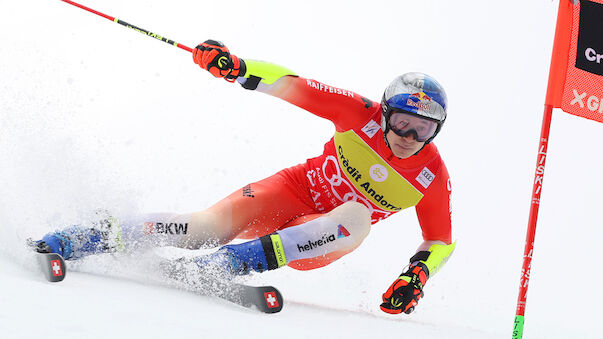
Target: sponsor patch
[
  {"x": 378, "y": 173},
  {"x": 317, "y": 243},
  {"x": 248, "y": 192},
  {"x": 425, "y": 177},
  {"x": 419, "y": 100},
  {"x": 328, "y": 89},
  {"x": 342, "y": 232},
  {"x": 371, "y": 128},
  {"x": 165, "y": 228},
  {"x": 589, "y": 55}
]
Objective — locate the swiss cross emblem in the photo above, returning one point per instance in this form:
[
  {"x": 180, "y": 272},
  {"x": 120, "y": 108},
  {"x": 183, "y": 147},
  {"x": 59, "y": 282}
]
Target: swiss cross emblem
[
  {"x": 57, "y": 270},
  {"x": 149, "y": 227},
  {"x": 271, "y": 300}
]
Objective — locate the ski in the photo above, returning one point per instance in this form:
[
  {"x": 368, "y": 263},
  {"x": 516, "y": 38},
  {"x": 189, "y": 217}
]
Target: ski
[
  {"x": 52, "y": 265},
  {"x": 266, "y": 299},
  {"x": 186, "y": 275}
]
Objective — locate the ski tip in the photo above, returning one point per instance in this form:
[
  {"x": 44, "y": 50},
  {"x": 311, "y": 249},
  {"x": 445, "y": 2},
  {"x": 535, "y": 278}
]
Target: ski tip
[
  {"x": 273, "y": 300},
  {"x": 53, "y": 266}
]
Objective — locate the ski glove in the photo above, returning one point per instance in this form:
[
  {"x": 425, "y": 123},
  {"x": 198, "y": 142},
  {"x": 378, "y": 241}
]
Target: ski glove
[
  {"x": 214, "y": 57},
  {"x": 404, "y": 294}
]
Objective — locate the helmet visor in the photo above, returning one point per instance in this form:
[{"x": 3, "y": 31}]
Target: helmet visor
[{"x": 404, "y": 124}]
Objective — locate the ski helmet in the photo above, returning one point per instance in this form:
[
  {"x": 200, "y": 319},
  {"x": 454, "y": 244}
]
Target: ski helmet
[{"x": 416, "y": 95}]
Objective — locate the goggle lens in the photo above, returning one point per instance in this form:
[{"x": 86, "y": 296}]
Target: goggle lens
[{"x": 404, "y": 123}]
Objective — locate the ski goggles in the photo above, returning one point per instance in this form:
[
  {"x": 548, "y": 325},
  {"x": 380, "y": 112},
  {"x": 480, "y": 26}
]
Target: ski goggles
[{"x": 404, "y": 124}]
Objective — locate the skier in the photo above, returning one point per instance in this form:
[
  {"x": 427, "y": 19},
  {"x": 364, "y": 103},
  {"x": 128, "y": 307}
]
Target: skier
[{"x": 380, "y": 161}]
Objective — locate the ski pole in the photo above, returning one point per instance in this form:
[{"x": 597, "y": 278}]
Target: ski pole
[{"x": 138, "y": 29}]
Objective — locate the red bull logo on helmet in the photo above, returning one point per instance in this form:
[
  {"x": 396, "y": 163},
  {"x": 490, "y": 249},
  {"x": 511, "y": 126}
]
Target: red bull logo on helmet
[{"x": 419, "y": 100}]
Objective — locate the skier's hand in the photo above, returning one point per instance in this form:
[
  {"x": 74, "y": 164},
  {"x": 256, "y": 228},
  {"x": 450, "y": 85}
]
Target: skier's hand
[
  {"x": 213, "y": 56},
  {"x": 404, "y": 294}
]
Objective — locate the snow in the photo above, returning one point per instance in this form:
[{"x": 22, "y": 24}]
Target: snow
[{"x": 95, "y": 115}]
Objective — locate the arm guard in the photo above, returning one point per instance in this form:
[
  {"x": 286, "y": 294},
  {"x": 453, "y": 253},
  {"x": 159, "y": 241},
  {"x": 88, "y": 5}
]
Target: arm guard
[
  {"x": 257, "y": 72},
  {"x": 434, "y": 258}
]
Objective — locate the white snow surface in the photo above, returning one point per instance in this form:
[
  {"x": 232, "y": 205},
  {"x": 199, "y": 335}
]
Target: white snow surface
[{"x": 93, "y": 115}]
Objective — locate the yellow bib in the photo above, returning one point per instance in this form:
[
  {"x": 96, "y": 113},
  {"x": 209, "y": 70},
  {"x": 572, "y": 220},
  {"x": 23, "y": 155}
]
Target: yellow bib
[{"x": 372, "y": 176}]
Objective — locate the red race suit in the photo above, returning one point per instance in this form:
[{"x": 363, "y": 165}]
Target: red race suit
[{"x": 356, "y": 164}]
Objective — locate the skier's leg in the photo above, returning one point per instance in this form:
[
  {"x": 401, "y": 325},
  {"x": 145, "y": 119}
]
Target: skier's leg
[
  {"x": 349, "y": 224},
  {"x": 312, "y": 244},
  {"x": 257, "y": 209},
  {"x": 110, "y": 234},
  {"x": 254, "y": 210}
]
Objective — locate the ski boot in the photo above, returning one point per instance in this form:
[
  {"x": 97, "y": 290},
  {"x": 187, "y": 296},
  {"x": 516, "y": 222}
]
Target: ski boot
[
  {"x": 38, "y": 246},
  {"x": 236, "y": 260},
  {"x": 216, "y": 269},
  {"x": 75, "y": 242}
]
